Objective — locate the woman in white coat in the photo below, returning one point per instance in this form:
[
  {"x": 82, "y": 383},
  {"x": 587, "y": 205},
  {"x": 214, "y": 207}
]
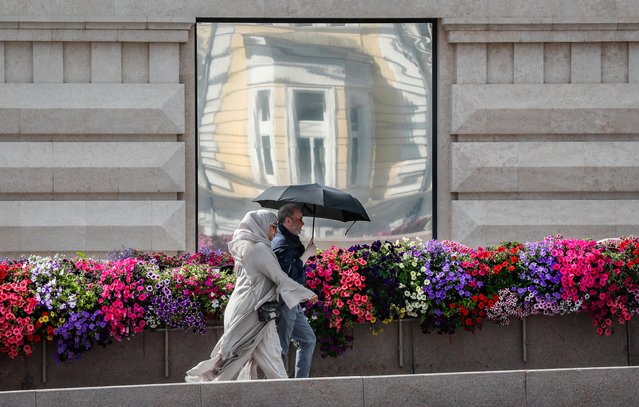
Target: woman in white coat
[{"x": 248, "y": 342}]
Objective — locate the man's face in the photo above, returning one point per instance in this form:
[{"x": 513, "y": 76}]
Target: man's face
[{"x": 294, "y": 223}]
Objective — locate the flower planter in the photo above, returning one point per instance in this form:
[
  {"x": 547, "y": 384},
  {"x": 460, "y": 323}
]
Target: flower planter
[{"x": 552, "y": 342}]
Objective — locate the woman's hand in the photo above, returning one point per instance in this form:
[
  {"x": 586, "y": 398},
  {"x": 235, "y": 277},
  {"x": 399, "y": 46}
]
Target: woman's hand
[{"x": 313, "y": 299}]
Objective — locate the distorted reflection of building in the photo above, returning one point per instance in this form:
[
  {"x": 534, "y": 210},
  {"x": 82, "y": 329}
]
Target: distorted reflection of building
[{"x": 344, "y": 105}]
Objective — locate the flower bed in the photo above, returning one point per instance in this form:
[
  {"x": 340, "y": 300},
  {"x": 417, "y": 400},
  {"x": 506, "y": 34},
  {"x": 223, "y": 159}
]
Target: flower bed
[
  {"x": 80, "y": 303},
  {"x": 448, "y": 286}
]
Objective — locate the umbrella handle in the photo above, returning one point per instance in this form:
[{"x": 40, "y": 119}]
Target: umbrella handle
[
  {"x": 349, "y": 228},
  {"x": 313, "y": 230}
]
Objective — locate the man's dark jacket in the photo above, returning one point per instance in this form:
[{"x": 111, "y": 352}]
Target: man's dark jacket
[{"x": 288, "y": 248}]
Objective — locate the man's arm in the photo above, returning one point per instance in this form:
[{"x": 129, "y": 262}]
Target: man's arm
[{"x": 290, "y": 262}]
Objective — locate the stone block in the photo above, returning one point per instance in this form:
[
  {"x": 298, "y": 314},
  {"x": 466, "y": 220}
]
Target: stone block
[
  {"x": 151, "y": 395},
  {"x": 168, "y": 219},
  {"x": 516, "y": 8},
  {"x": 138, "y": 360},
  {"x": 628, "y": 215},
  {"x": 557, "y": 63},
  {"x": 528, "y": 63},
  {"x": 572, "y": 341},
  {"x": 119, "y": 167},
  {"x": 26, "y": 180},
  {"x": 110, "y": 23},
  {"x": 91, "y": 36},
  {"x": 162, "y": 168},
  {"x": 142, "y": 359},
  {"x": 92, "y": 225},
  {"x": 91, "y": 108},
  {"x": 553, "y": 179},
  {"x": 544, "y": 166},
  {"x": 471, "y": 63},
  {"x": 135, "y": 62},
  {"x": 18, "y": 62},
  {"x": 25, "y": 167},
  {"x": 53, "y": 12},
  {"x": 633, "y": 343},
  {"x": 50, "y": 239},
  {"x": 53, "y": 213},
  {"x": 26, "y": 398},
  {"x": 77, "y": 62},
  {"x": 106, "y": 62},
  {"x": 85, "y": 180},
  {"x": 10, "y": 213},
  {"x": 468, "y": 351},
  {"x": 1, "y": 61},
  {"x": 199, "y": 349},
  {"x": 476, "y": 223},
  {"x": 21, "y": 373},
  {"x": 585, "y": 63},
  {"x": 149, "y": 180},
  {"x": 107, "y": 238},
  {"x": 47, "y": 62},
  {"x": 164, "y": 63},
  {"x": 150, "y": 35},
  {"x": 357, "y": 361},
  {"x": 91, "y": 167},
  {"x": 582, "y": 387},
  {"x": 115, "y": 224},
  {"x": 614, "y": 62},
  {"x": 545, "y": 109},
  {"x": 539, "y": 31},
  {"x": 458, "y": 389},
  {"x": 347, "y": 391},
  {"x": 499, "y": 63},
  {"x": 633, "y": 62},
  {"x": 484, "y": 166},
  {"x": 10, "y": 238}
]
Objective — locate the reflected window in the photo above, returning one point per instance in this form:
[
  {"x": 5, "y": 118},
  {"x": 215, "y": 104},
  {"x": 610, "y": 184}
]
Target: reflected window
[
  {"x": 264, "y": 129},
  {"x": 310, "y": 130},
  {"x": 359, "y": 139},
  {"x": 348, "y": 105},
  {"x": 263, "y": 106}
]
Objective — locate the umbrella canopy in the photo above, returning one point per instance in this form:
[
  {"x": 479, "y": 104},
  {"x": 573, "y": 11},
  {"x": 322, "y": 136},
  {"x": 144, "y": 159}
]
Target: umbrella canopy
[{"x": 315, "y": 200}]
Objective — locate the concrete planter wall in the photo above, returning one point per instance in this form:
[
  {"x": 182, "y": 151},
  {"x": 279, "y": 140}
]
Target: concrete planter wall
[{"x": 551, "y": 342}]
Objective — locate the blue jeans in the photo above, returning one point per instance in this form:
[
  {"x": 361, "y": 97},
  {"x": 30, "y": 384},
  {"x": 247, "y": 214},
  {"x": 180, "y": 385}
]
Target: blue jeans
[{"x": 292, "y": 323}]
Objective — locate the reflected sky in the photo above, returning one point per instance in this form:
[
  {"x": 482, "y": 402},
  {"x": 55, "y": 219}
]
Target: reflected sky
[{"x": 343, "y": 105}]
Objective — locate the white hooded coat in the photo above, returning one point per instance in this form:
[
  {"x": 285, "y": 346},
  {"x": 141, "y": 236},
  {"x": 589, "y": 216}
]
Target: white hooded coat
[{"x": 247, "y": 341}]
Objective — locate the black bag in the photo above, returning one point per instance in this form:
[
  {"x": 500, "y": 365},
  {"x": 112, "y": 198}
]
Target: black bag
[{"x": 268, "y": 311}]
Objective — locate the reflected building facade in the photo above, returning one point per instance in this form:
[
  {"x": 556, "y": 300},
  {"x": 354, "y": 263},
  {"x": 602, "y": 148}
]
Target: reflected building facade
[{"x": 344, "y": 105}]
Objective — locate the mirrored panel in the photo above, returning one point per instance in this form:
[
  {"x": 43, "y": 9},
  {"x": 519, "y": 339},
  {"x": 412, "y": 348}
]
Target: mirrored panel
[{"x": 344, "y": 105}]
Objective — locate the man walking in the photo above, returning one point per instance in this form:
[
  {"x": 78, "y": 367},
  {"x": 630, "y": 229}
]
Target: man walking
[{"x": 290, "y": 252}]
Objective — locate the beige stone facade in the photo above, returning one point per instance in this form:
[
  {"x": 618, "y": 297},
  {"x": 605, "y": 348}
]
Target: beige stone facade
[{"x": 537, "y": 123}]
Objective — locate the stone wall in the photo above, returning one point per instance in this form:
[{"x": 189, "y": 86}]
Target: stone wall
[
  {"x": 543, "y": 131},
  {"x": 536, "y": 129},
  {"x": 93, "y": 118}
]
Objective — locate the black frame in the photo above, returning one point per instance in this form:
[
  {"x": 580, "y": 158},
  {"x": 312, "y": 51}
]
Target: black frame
[{"x": 435, "y": 62}]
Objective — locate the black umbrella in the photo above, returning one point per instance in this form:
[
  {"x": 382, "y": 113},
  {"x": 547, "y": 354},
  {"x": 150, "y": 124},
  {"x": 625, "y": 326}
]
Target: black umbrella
[{"x": 315, "y": 200}]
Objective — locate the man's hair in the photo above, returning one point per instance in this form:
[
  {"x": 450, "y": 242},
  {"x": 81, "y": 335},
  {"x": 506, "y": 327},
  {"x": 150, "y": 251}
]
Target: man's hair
[{"x": 286, "y": 211}]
